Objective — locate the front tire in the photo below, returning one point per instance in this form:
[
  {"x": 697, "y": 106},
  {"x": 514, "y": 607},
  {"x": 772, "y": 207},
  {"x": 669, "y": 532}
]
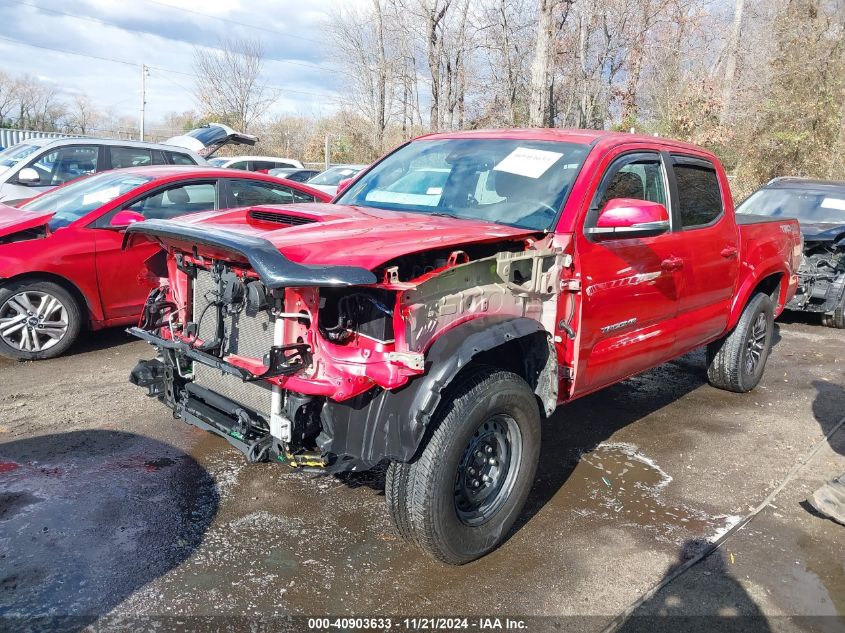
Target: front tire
[
  {"x": 736, "y": 362},
  {"x": 38, "y": 320},
  {"x": 460, "y": 498}
]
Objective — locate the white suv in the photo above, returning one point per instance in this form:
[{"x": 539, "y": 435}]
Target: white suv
[{"x": 37, "y": 165}]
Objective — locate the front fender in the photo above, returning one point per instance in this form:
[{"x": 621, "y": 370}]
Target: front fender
[{"x": 382, "y": 424}]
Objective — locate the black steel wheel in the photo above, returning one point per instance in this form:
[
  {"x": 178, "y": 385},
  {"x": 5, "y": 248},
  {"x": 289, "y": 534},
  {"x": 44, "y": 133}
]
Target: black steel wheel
[{"x": 459, "y": 499}]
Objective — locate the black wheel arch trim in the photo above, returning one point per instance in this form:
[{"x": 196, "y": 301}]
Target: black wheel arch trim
[{"x": 381, "y": 424}]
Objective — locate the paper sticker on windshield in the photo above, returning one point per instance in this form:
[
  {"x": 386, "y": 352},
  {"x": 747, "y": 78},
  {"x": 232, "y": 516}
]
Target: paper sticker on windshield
[
  {"x": 103, "y": 195},
  {"x": 833, "y": 203},
  {"x": 528, "y": 162}
]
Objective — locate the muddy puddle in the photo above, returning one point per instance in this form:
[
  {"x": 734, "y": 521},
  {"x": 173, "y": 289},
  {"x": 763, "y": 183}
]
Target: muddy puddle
[{"x": 615, "y": 482}]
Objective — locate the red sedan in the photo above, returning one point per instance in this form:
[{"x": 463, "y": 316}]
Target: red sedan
[{"x": 62, "y": 268}]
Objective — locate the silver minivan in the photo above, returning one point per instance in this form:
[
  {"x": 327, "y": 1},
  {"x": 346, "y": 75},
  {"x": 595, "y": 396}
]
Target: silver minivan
[{"x": 37, "y": 165}]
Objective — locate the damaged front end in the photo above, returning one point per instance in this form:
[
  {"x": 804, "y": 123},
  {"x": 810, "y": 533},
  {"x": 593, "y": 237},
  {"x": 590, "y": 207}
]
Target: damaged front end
[
  {"x": 336, "y": 367},
  {"x": 821, "y": 276}
]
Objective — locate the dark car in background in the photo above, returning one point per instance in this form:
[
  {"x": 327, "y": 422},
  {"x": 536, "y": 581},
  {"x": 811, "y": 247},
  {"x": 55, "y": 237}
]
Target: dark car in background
[{"x": 819, "y": 207}]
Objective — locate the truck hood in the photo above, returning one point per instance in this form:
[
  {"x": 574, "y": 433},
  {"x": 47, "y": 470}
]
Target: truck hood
[
  {"x": 13, "y": 220},
  {"x": 340, "y": 235},
  {"x": 822, "y": 231}
]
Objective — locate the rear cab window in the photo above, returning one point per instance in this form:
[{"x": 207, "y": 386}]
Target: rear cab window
[{"x": 699, "y": 196}]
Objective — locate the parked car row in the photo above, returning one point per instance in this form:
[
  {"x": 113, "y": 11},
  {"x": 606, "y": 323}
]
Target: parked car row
[
  {"x": 62, "y": 266},
  {"x": 37, "y": 165}
]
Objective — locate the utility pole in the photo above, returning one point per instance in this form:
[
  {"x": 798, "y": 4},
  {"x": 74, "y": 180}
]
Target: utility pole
[
  {"x": 144, "y": 73},
  {"x": 326, "y": 151}
]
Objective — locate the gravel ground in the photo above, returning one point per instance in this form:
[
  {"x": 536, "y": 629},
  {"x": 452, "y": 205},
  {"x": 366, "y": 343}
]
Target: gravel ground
[{"x": 110, "y": 511}]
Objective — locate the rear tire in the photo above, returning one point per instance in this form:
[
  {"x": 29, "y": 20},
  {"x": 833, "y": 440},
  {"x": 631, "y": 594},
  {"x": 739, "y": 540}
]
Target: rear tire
[
  {"x": 736, "y": 362},
  {"x": 461, "y": 497},
  {"x": 836, "y": 319},
  {"x": 38, "y": 320}
]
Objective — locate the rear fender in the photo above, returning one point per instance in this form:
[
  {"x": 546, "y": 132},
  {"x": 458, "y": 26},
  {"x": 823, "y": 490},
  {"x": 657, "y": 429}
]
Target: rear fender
[
  {"x": 771, "y": 278},
  {"x": 383, "y": 424}
]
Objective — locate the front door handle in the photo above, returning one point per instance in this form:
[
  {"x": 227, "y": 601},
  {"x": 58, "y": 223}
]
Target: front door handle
[
  {"x": 729, "y": 252},
  {"x": 671, "y": 264}
]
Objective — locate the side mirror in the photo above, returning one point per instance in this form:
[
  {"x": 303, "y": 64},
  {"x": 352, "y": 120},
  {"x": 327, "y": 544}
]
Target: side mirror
[
  {"x": 343, "y": 184},
  {"x": 628, "y": 217},
  {"x": 124, "y": 218},
  {"x": 28, "y": 176}
]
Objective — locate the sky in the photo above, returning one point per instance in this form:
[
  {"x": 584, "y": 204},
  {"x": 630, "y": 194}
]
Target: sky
[{"x": 163, "y": 35}]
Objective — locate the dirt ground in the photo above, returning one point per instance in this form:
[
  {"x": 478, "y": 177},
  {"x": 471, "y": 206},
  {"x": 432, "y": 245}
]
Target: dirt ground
[{"x": 113, "y": 514}]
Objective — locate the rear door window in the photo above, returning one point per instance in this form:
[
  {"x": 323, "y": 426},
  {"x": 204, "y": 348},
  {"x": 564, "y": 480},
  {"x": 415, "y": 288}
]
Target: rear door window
[
  {"x": 122, "y": 157},
  {"x": 175, "y": 201},
  {"x": 699, "y": 194},
  {"x": 247, "y": 193},
  {"x": 180, "y": 159}
]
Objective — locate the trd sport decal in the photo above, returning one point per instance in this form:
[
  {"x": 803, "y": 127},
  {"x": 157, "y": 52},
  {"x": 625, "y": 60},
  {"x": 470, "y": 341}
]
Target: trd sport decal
[{"x": 618, "y": 326}]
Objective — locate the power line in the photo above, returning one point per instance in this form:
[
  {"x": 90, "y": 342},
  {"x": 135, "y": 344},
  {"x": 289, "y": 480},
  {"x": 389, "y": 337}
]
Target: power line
[
  {"x": 108, "y": 23},
  {"x": 322, "y": 95},
  {"x": 67, "y": 52},
  {"x": 244, "y": 24}
]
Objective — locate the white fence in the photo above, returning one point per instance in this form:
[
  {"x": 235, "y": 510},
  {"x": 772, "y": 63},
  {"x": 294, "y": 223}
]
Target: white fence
[{"x": 9, "y": 137}]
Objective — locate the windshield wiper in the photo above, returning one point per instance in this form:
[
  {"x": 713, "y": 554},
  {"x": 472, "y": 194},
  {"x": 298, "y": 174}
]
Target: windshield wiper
[{"x": 443, "y": 214}]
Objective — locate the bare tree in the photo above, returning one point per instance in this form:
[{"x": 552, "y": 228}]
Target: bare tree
[
  {"x": 8, "y": 98},
  {"x": 360, "y": 37},
  {"x": 229, "y": 87},
  {"x": 508, "y": 40},
  {"x": 435, "y": 15},
  {"x": 731, "y": 60},
  {"x": 82, "y": 115},
  {"x": 552, "y": 15}
]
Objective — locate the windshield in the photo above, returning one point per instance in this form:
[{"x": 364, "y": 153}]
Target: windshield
[
  {"x": 805, "y": 205},
  {"x": 515, "y": 182},
  {"x": 16, "y": 154},
  {"x": 218, "y": 162},
  {"x": 334, "y": 175},
  {"x": 80, "y": 197}
]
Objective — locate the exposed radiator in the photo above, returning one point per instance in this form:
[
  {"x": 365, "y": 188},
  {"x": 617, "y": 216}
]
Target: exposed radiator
[{"x": 250, "y": 336}]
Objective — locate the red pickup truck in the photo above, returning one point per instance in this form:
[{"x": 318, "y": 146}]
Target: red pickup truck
[{"x": 448, "y": 300}]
